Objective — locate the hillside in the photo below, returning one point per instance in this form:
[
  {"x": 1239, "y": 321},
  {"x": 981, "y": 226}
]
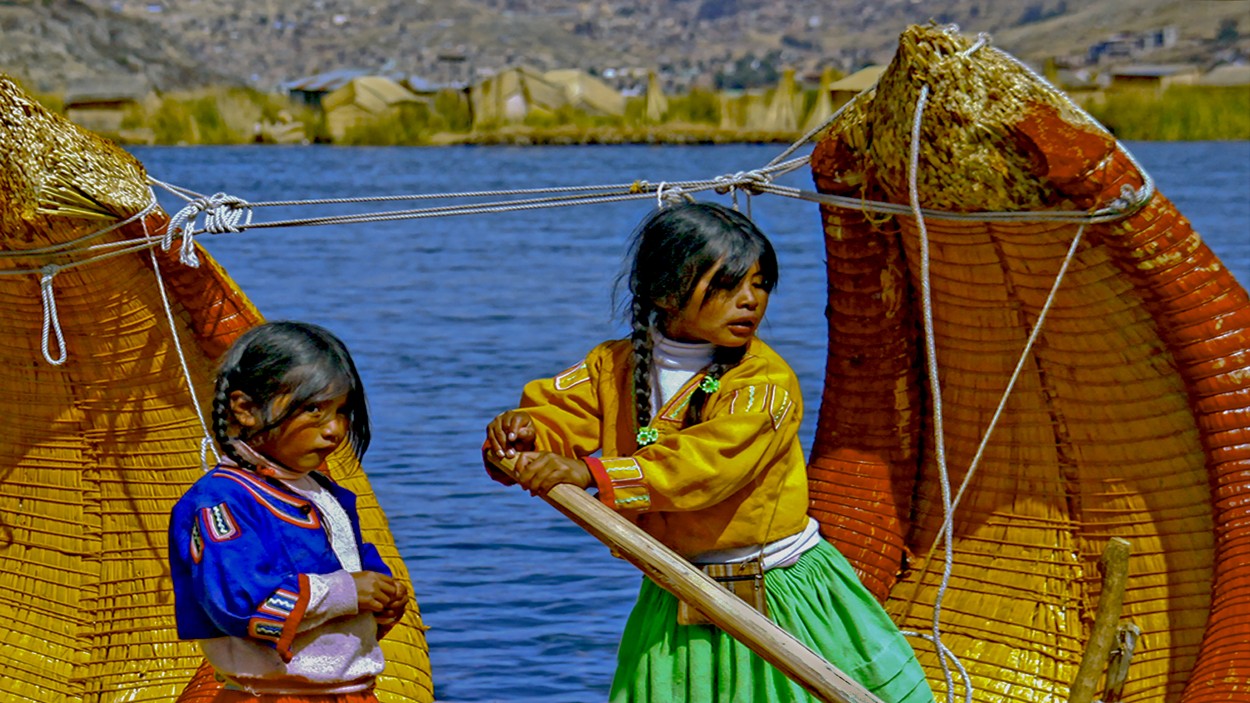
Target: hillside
[{"x": 185, "y": 43}]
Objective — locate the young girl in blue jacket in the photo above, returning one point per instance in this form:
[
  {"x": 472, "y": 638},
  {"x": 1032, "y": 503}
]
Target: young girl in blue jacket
[{"x": 271, "y": 576}]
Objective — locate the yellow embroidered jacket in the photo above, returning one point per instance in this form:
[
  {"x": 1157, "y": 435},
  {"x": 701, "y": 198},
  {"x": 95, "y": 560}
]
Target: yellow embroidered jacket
[{"x": 737, "y": 478}]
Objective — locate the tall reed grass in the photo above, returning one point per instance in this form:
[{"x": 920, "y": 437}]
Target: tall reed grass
[
  {"x": 235, "y": 116},
  {"x": 219, "y": 116},
  {"x": 1180, "y": 113}
]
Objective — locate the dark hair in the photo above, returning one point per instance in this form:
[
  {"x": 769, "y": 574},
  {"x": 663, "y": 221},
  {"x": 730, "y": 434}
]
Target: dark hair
[
  {"x": 295, "y": 359},
  {"x": 672, "y": 249}
]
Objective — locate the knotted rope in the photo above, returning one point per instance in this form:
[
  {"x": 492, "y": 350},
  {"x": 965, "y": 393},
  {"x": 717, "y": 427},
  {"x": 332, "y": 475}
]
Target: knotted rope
[{"x": 222, "y": 213}]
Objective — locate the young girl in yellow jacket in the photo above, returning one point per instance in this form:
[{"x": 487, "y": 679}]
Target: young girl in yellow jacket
[{"x": 695, "y": 422}]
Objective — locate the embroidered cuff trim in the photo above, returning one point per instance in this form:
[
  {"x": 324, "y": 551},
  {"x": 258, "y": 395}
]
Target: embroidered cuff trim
[
  {"x": 278, "y": 617},
  {"x": 629, "y": 491}
]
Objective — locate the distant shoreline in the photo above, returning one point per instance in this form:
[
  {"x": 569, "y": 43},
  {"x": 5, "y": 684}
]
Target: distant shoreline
[{"x": 1183, "y": 113}]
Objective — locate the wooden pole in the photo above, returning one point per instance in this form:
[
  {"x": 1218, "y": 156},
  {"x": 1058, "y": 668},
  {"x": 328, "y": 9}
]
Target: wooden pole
[
  {"x": 1110, "y": 603},
  {"x": 728, "y": 612}
]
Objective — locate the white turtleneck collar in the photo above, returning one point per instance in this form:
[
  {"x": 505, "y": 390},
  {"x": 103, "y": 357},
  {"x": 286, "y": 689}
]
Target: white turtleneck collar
[{"x": 674, "y": 363}]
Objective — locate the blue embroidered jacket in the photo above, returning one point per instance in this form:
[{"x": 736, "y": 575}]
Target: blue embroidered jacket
[{"x": 239, "y": 549}]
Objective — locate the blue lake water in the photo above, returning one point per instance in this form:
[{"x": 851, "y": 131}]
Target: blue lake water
[{"x": 449, "y": 317}]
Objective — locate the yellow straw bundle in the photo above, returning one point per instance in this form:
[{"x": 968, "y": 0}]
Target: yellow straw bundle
[
  {"x": 94, "y": 452},
  {"x": 1104, "y": 435}
]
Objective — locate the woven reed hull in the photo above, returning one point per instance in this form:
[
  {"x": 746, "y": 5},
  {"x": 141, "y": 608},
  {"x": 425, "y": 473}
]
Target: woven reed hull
[
  {"x": 93, "y": 453},
  {"x": 1131, "y": 417}
]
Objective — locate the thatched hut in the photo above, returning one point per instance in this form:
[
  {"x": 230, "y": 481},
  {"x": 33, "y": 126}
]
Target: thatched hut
[
  {"x": 823, "y": 107},
  {"x": 785, "y": 105},
  {"x": 657, "y": 103},
  {"x": 841, "y": 92},
  {"x": 363, "y": 99},
  {"x": 586, "y": 93},
  {"x": 101, "y": 105},
  {"x": 514, "y": 94}
]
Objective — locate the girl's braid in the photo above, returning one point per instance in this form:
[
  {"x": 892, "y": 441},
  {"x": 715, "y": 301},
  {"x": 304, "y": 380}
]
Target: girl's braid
[
  {"x": 640, "y": 336},
  {"x": 221, "y": 424},
  {"x": 723, "y": 360}
]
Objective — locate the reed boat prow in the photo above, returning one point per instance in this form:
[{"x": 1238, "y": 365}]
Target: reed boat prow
[
  {"x": 1129, "y": 415},
  {"x": 101, "y": 434}
]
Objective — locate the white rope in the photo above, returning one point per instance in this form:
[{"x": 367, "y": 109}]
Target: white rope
[
  {"x": 1131, "y": 200},
  {"x": 755, "y": 181},
  {"x": 225, "y": 213},
  {"x": 945, "y": 534},
  {"x": 189, "y": 195},
  {"x": 207, "y": 441},
  {"x": 945, "y": 654},
  {"x": 935, "y": 384},
  {"x": 51, "y": 322},
  {"x": 671, "y": 195},
  {"x": 222, "y": 213},
  {"x": 983, "y": 39},
  {"x": 746, "y": 180}
]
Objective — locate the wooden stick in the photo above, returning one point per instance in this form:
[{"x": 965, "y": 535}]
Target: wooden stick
[
  {"x": 730, "y": 613},
  {"x": 1110, "y": 603}
]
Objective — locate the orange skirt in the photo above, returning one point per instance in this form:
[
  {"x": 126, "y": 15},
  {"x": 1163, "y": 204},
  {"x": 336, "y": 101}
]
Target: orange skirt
[{"x": 205, "y": 688}]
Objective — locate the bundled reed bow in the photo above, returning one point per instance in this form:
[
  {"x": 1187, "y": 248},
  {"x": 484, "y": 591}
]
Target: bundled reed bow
[
  {"x": 105, "y": 337},
  {"x": 1035, "y": 343}
]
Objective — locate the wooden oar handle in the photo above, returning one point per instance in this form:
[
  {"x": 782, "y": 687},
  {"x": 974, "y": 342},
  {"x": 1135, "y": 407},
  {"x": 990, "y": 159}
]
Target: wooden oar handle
[{"x": 676, "y": 575}]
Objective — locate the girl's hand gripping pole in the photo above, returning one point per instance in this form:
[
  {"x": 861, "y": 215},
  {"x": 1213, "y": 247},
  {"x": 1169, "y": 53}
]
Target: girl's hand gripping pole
[{"x": 676, "y": 575}]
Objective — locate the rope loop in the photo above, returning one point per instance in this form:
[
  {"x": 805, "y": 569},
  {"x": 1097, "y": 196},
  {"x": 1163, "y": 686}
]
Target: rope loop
[
  {"x": 1130, "y": 199},
  {"x": 51, "y": 322},
  {"x": 983, "y": 40},
  {"x": 671, "y": 195},
  {"x": 222, "y": 213}
]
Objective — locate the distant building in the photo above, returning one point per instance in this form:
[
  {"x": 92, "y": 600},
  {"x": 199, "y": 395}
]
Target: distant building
[
  {"x": 786, "y": 106},
  {"x": 514, "y": 94},
  {"x": 1229, "y": 75},
  {"x": 101, "y": 105},
  {"x": 312, "y": 89},
  {"x": 1127, "y": 45},
  {"x": 587, "y": 93},
  {"x": 425, "y": 86},
  {"x": 361, "y": 100},
  {"x": 1119, "y": 46},
  {"x": 657, "y": 103},
  {"x": 1162, "y": 38},
  {"x": 1155, "y": 78}
]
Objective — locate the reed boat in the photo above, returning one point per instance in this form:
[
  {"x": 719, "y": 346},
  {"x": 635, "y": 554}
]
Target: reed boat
[
  {"x": 98, "y": 369},
  {"x": 1023, "y": 336},
  {"x": 1127, "y": 417}
]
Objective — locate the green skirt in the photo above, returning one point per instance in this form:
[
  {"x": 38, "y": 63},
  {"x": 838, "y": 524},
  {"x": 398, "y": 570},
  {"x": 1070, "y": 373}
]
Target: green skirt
[{"x": 819, "y": 600}]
